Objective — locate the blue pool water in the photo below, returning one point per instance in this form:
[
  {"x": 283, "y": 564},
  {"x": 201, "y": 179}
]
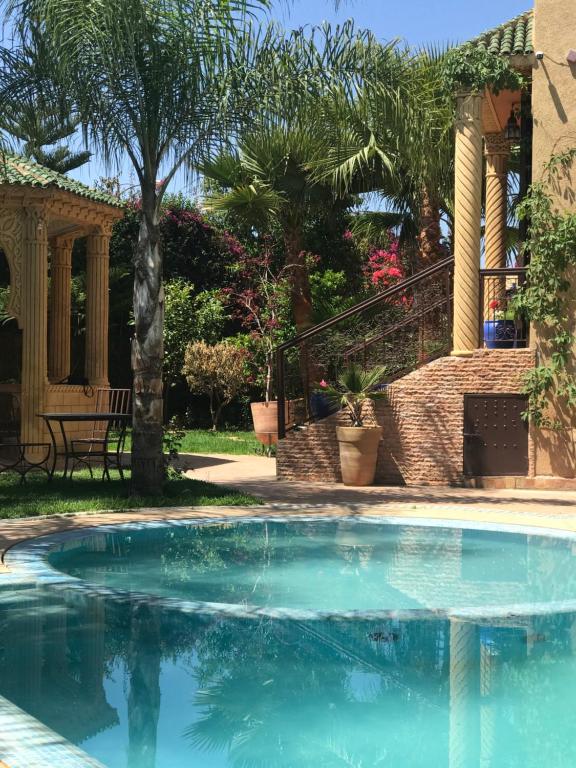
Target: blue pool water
[{"x": 143, "y": 684}]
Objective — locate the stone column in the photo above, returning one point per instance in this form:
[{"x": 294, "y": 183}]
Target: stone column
[
  {"x": 497, "y": 153},
  {"x": 60, "y": 309},
  {"x": 467, "y": 215},
  {"x": 97, "y": 264},
  {"x": 34, "y": 318},
  {"x": 497, "y": 150}
]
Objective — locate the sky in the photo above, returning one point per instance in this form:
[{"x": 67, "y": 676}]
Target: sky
[{"x": 416, "y": 21}]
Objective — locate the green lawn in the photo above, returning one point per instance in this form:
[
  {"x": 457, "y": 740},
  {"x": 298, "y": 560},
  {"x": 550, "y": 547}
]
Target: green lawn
[
  {"x": 38, "y": 497},
  {"x": 205, "y": 441}
]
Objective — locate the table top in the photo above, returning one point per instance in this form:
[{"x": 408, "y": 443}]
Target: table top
[{"x": 94, "y": 416}]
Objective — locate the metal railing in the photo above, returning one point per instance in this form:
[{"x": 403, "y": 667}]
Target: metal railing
[
  {"x": 403, "y": 327},
  {"x": 501, "y": 326}
]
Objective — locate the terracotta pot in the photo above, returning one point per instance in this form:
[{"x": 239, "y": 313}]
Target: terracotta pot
[
  {"x": 265, "y": 420},
  {"x": 358, "y": 453}
]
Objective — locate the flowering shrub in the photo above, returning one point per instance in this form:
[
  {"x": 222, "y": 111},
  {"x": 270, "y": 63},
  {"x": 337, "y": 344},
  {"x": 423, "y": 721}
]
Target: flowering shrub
[{"x": 384, "y": 267}]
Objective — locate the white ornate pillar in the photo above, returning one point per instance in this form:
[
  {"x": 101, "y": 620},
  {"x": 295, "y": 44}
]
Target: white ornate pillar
[
  {"x": 97, "y": 306},
  {"x": 467, "y": 216},
  {"x": 60, "y": 309},
  {"x": 34, "y": 315}
]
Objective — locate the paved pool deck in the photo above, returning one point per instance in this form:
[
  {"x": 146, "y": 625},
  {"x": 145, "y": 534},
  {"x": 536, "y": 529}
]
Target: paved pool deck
[{"x": 257, "y": 475}]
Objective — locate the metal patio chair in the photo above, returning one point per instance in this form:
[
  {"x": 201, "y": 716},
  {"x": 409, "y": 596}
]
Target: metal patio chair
[{"x": 106, "y": 443}]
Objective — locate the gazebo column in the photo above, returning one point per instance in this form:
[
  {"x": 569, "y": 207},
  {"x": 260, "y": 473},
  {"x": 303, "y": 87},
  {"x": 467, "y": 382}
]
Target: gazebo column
[
  {"x": 467, "y": 215},
  {"x": 34, "y": 324},
  {"x": 96, "y": 363},
  {"x": 60, "y": 309},
  {"x": 497, "y": 152}
]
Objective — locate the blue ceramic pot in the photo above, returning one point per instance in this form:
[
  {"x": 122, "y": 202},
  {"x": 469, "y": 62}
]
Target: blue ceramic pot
[
  {"x": 500, "y": 334},
  {"x": 320, "y": 406}
]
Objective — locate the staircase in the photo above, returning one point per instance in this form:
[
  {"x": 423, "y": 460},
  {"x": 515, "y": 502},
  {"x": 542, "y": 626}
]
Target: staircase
[{"x": 408, "y": 329}]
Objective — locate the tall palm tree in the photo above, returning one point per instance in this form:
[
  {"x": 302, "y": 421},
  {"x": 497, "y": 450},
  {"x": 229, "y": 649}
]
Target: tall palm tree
[{"x": 151, "y": 81}]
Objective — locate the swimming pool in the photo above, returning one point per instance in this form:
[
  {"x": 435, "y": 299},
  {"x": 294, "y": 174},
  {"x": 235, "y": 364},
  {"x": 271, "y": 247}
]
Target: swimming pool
[{"x": 304, "y": 643}]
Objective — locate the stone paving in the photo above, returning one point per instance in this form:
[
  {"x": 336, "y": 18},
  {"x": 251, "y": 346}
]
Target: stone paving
[{"x": 256, "y": 475}]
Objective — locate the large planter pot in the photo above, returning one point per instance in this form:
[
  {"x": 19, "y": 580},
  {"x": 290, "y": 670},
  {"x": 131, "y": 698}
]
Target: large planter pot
[
  {"x": 500, "y": 334},
  {"x": 358, "y": 453},
  {"x": 265, "y": 420}
]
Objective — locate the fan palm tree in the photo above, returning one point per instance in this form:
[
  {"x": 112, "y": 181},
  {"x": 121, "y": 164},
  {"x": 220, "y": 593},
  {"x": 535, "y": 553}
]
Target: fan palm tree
[{"x": 268, "y": 181}]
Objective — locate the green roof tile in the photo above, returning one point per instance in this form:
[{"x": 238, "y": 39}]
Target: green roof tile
[
  {"x": 22, "y": 172},
  {"x": 514, "y": 38}
]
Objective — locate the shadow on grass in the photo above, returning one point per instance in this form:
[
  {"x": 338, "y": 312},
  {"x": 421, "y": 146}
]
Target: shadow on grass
[{"x": 38, "y": 497}]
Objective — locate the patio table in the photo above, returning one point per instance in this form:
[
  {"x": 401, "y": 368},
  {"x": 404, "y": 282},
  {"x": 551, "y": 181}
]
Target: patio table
[{"x": 67, "y": 451}]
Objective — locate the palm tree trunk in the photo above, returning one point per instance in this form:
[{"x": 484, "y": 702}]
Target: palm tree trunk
[
  {"x": 430, "y": 234},
  {"x": 301, "y": 296},
  {"x": 147, "y": 355}
]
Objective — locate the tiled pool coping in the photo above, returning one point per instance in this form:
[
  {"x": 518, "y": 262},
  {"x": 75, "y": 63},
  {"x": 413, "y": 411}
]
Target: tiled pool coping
[{"x": 26, "y": 743}]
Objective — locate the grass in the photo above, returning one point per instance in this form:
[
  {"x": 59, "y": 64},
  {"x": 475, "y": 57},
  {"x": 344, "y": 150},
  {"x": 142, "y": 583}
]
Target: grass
[
  {"x": 206, "y": 441},
  {"x": 37, "y": 497}
]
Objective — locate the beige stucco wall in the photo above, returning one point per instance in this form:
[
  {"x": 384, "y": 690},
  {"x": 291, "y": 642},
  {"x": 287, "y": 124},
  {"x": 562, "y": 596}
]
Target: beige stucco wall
[
  {"x": 554, "y": 112},
  {"x": 554, "y": 81}
]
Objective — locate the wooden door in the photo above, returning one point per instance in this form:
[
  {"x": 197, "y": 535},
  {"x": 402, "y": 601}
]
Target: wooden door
[{"x": 495, "y": 435}]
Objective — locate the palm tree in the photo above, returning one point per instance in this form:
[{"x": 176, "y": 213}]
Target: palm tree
[
  {"x": 151, "y": 80},
  {"x": 395, "y": 137}
]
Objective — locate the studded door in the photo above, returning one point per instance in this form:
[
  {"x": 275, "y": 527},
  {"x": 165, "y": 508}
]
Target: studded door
[{"x": 495, "y": 435}]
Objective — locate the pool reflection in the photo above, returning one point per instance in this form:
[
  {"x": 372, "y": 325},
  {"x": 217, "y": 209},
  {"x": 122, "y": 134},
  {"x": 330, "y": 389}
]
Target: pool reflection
[{"x": 140, "y": 687}]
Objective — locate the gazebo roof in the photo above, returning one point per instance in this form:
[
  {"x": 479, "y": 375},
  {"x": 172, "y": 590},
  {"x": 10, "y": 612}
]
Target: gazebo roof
[
  {"x": 22, "y": 172},
  {"x": 514, "y": 38}
]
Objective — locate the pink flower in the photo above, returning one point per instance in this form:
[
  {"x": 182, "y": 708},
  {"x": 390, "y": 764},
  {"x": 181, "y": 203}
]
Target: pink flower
[
  {"x": 347, "y": 235},
  {"x": 494, "y": 304},
  {"x": 323, "y": 384}
]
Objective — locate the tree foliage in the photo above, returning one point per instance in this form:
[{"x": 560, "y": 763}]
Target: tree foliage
[
  {"x": 545, "y": 298},
  {"x": 216, "y": 370}
]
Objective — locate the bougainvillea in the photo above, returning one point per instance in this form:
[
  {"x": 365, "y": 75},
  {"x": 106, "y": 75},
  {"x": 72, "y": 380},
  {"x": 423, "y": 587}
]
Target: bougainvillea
[{"x": 384, "y": 267}]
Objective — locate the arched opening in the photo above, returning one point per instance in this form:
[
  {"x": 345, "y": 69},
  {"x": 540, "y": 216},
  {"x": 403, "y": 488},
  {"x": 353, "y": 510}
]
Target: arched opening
[{"x": 10, "y": 359}]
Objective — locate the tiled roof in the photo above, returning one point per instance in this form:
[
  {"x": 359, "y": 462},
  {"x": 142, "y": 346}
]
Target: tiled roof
[
  {"x": 514, "y": 38},
  {"x": 21, "y": 171}
]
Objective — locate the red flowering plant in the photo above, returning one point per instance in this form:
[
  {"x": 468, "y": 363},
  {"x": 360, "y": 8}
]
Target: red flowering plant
[
  {"x": 260, "y": 299},
  {"x": 384, "y": 268}
]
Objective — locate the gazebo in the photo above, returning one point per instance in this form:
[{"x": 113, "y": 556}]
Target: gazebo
[{"x": 42, "y": 213}]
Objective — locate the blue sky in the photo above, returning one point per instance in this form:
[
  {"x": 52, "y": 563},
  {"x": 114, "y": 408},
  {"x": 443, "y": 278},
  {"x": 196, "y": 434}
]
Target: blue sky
[{"x": 416, "y": 21}]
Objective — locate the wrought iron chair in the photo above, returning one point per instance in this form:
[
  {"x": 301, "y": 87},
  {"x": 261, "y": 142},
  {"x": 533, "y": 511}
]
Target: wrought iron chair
[
  {"x": 16, "y": 456},
  {"x": 106, "y": 443}
]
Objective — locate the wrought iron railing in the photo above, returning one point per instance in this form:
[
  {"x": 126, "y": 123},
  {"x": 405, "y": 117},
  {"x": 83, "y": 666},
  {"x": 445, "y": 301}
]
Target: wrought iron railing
[
  {"x": 501, "y": 325},
  {"x": 403, "y": 327}
]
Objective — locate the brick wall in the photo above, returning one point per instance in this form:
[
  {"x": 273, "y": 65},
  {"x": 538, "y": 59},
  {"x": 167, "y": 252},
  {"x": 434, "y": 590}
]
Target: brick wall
[{"x": 422, "y": 421}]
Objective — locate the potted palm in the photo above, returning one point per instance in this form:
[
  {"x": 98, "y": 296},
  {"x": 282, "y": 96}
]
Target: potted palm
[{"x": 357, "y": 443}]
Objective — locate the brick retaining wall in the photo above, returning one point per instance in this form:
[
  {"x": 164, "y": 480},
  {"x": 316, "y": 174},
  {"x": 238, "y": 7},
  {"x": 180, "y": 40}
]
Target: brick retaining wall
[{"x": 422, "y": 422}]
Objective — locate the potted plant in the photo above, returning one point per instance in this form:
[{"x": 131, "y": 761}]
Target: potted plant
[
  {"x": 358, "y": 444},
  {"x": 500, "y": 332},
  {"x": 261, "y": 301}
]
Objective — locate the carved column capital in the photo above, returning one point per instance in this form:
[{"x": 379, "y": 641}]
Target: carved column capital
[
  {"x": 497, "y": 152},
  {"x": 468, "y": 109},
  {"x": 35, "y": 216}
]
